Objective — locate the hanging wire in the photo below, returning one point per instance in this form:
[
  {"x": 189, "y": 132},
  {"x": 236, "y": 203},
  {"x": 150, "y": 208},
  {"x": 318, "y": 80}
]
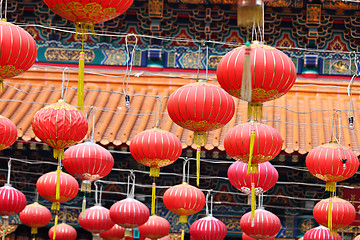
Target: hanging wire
[
  {"x": 6, "y": 3},
  {"x": 91, "y": 119},
  {"x": 1, "y": 9},
  {"x": 9, "y": 171},
  {"x": 63, "y": 88},
  {"x": 351, "y": 111},
  {"x": 337, "y": 136},
  {"x": 129, "y": 56},
  {"x": 207, "y": 212},
  {"x": 96, "y": 192},
  {"x": 198, "y": 63},
  {"x": 184, "y": 169},
  {"x": 207, "y": 62}
]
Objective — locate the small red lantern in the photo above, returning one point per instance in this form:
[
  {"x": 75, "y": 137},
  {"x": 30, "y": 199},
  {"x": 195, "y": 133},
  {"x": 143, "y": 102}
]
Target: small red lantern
[
  {"x": 342, "y": 213},
  {"x": 184, "y": 200},
  {"x": 320, "y": 233},
  {"x": 155, "y": 148},
  {"x": 155, "y": 228},
  {"x": 88, "y": 162},
  {"x": 18, "y": 50},
  {"x": 55, "y": 124},
  {"x": 265, "y": 179},
  {"x": 96, "y": 220},
  {"x": 115, "y": 233},
  {"x": 46, "y": 187},
  {"x": 208, "y": 228},
  {"x": 129, "y": 213},
  {"x": 246, "y": 237},
  {"x": 12, "y": 201},
  {"x": 264, "y": 225},
  {"x": 63, "y": 232},
  {"x": 8, "y": 131},
  {"x": 35, "y": 216},
  {"x": 332, "y": 163}
]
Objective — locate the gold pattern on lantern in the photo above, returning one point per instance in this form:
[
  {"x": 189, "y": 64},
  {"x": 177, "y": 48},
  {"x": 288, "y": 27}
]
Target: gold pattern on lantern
[
  {"x": 259, "y": 158},
  {"x": 9, "y": 71},
  {"x": 200, "y": 126},
  {"x": 330, "y": 178}
]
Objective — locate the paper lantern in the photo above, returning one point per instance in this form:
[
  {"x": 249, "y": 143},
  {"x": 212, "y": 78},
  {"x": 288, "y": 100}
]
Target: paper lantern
[
  {"x": 60, "y": 125},
  {"x": 246, "y": 237},
  {"x": 184, "y": 200},
  {"x": 63, "y": 232},
  {"x": 264, "y": 225},
  {"x": 155, "y": 148},
  {"x": 320, "y": 233},
  {"x": 88, "y": 162},
  {"x": 12, "y": 201},
  {"x": 342, "y": 213},
  {"x": 8, "y": 131},
  {"x": 356, "y": 238},
  {"x": 326, "y": 163},
  {"x": 208, "y": 228},
  {"x": 96, "y": 220},
  {"x": 114, "y": 233},
  {"x": 18, "y": 50},
  {"x": 35, "y": 216},
  {"x": 46, "y": 187},
  {"x": 155, "y": 228}
]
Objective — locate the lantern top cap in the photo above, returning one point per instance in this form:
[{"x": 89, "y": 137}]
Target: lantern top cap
[
  {"x": 7, "y": 185},
  {"x": 61, "y": 100}
]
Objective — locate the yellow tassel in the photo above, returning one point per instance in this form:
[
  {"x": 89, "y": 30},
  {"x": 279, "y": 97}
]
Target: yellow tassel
[
  {"x": 330, "y": 215},
  {"x": 249, "y": 15},
  {"x": 252, "y": 200},
  {"x": 4, "y": 233},
  {"x": 252, "y": 143},
  {"x": 198, "y": 152},
  {"x": 330, "y": 186},
  {"x": 154, "y": 172},
  {"x": 58, "y": 153},
  {"x": 55, "y": 226},
  {"x": 83, "y": 207},
  {"x": 183, "y": 219},
  {"x": 246, "y": 84},
  {"x": 81, "y": 81},
  {"x": 85, "y": 186},
  {"x": 182, "y": 234},
  {"x": 128, "y": 232},
  {"x": 34, "y": 231},
  {"x": 58, "y": 171},
  {"x": 255, "y": 111},
  {"x": 153, "y": 195},
  {"x": 55, "y": 206}
]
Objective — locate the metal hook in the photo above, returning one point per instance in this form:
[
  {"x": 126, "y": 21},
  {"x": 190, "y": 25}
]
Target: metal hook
[
  {"x": 9, "y": 171},
  {"x": 186, "y": 160},
  {"x": 207, "y": 203}
]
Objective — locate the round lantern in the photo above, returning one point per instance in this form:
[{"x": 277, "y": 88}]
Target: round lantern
[
  {"x": 155, "y": 228},
  {"x": 115, "y": 233},
  {"x": 208, "y": 228},
  {"x": 96, "y": 220},
  {"x": 332, "y": 163},
  {"x": 129, "y": 213},
  {"x": 342, "y": 213},
  {"x": 246, "y": 237},
  {"x": 60, "y": 125},
  {"x": 320, "y": 233},
  {"x": 155, "y": 148},
  {"x": 18, "y": 50},
  {"x": 8, "y": 131},
  {"x": 265, "y": 179},
  {"x": 272, "y": 73},
  {"x": 63, "y": 232},
  {"x": 12, "y": 201},
  {"x": 88, "y": 162},
  {"x": 356, "y": 238},
  {"x": 264, "y": 225},
  {"x": 35, "y": 216},
  {"x": 184, "y": 200},
  {"x": 46, "y": 187}
]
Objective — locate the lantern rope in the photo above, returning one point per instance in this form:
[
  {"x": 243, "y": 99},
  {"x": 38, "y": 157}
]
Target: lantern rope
[
  {"x": 153, "y": 197},
  {"x": 9, "y": 171},
  {"x": 129, "y": 56},
  {"x": 252, "y": 143},
  {"x": 246, "y": 84},
  {"x": 207, "y": 212},
  {"x": 351, "y": 111}
]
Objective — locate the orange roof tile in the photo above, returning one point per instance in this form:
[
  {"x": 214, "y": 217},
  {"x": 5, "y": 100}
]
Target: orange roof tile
[{"x": 303, "y": 116}]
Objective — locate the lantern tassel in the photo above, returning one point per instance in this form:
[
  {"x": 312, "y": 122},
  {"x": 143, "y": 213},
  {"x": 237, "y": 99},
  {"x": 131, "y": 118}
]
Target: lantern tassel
[
  {"x": 252, "y": 202},
  {"x": 34, "y": 231},
  {"x": 128, "y": 232},
  {"x": 183, "y": 219},
  {"x": 199, "y": 140},
  {"x": 247, "y": 16},
  {"x": 55, "y": 226},
  {"x": 255, "y": 111},
  {"x": 154, "y": 172},
  {"x": 252, "y": 143},
  {"x": 81, "y": 81},
  {"x": 83, "y": 207},
  {"x": 55, "y": 206},
  {"x": 330, "y": 186},
  {"x": 330, "y": 215},
  {"x": 86, "y": 186},
  {"x": 96, "y": 237},
  {"x": 246, "y": 85},
  {"x": 58, "y": 154},
  {"x": 182, "y": 234},
  {"x": 3, "y": 235},
  {"x": 153, "y": 197},
  {"x": 58, "y": 171}
]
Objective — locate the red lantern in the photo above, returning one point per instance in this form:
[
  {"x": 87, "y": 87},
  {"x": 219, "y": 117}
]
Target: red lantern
[
  {"x": 320, "y": 233},
  {"x": 63, "y": 232},
  {"x": 54, "y": 124},
  {"x": 356, "y": 238},
  {"x": 246, "y": 237},
  {"x": 129, "y": 213},
  {"x": 96, "y": 220},
  {"x": 8, "y": 131},
  {"x": 184, "y": 200},
  {"x": 12, "y": 201},
  {"x": 264, "y": 225},
  {"x": 155, "y": 228},
  {"x": 326, "y": 163},
  {"x": 115, "y": 233},
  {"x": 342, "y": 213},
  {"x": 46, "y": 187},
  {"x": 18, "y": 50},
  {"x": 265, "y": 179},
  {"x": 208, "y": 228},
  {"x": 88, "y": 162},
  {"x": 155, "y": 148},
  {"x": 35, "y": 216}
]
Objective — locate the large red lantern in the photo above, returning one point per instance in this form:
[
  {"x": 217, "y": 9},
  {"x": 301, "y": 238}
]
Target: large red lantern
[
  {"x": 246, "y": 237},
  {"x": 320, "y": 233},
  {"x": 155, "y": 148},
  {"x": 18, "y": 50},
  {"x": 155, "y": 228},
  {"x": 263, "y": 180},
  {"x": 46, "y": 187},
  {"x": 208, "y": 228},
  {"x": 115, "y": 233},
  {"x": 12, "y": 201},
  {"x": 88, "y": 162},
  {"x": 8, "y": 131},
  {"x": 332, "y": 163},
  {"x": 60, "y": 125},
  {"x": 334, "y": 213},
  {"x": 96, "y": 220},
  {"x": 184, "y": 200},
  {"x": 35, "y": 216},
  {"x": 63, "y": 232},
  {"x": 264, "y": 225}
]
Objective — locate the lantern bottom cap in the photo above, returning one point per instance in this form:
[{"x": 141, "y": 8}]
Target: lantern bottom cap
[
  {"x": 86, "y": 186},
  {"x": 183, "y": 219},
  {"x": 330, "y": 186}
]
